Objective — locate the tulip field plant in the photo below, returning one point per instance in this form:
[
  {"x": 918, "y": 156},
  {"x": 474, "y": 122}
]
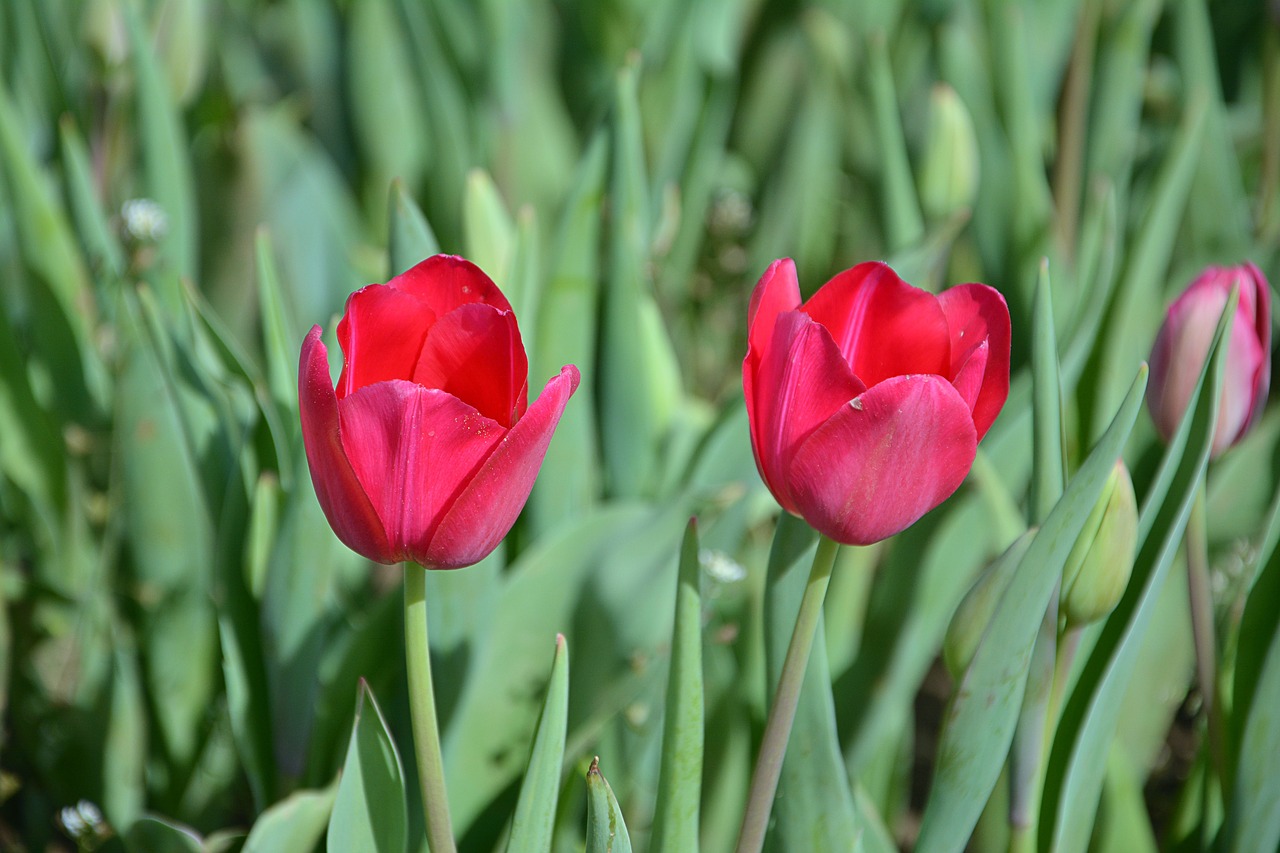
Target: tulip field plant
[{"x": 898, "y": 464}]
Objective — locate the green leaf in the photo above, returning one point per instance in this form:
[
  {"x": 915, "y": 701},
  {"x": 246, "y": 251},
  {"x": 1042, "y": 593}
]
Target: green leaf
[
  {"x": 489, "y": 232},
  {"x": 102, "y": 247},
  {"x": 1077, "y": 762},
  {"x": 629, "y": 431},
  {"x": 1132, "y": 323},
  {"x": 369, "y": 811},
  {"x": 296, "y": 823},
  {"x": 903, "y": 222},
  {"x": 603, "y": 569},
  {"x": 153, "y": 834},
  {"x": 675, "y": 822},
  {"x": 1048, "y": 473},
  {"x": 124, "y": 773},
  {"x": 535, "y": 816},
  {"x": 980, "y": 721},
  {"x": 278, "y": 350},
  {"x": 813, "y": 808},
  {"x": 1254, "y": 806},
  {"x": 566, "y": 324},
  {"x": 63, "y": 305},
  {"x": 166, "y": 159},
  {"x": 606, "y": 830},
  {"x": 248, "y": 698},
  {"x": 410, "y": 238},
  {"x": 386, "y": 104}
]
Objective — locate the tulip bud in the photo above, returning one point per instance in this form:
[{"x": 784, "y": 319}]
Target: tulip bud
[
  {"x": 978, "y": 606},
  {"x": 949, "y": 171},
  {"x": 1183, "y": 343},
  {"x": 1097, "y": 570}
]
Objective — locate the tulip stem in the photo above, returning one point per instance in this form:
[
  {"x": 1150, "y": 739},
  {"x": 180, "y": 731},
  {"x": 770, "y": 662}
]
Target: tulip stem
[
  {"x": 1202, "y": 630},
  {"x": 422, "y": 710},
  {"x": 782, "y": 713}
]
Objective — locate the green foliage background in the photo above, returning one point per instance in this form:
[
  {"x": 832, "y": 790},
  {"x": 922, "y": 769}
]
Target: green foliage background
[{"x": 182, "y": 637}]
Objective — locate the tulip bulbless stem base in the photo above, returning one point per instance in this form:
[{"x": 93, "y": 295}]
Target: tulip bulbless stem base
[
  {"x": 422, "y": 710},
  {"x": 782, "y": 713},
  {"x": 1202, "y": 631}
]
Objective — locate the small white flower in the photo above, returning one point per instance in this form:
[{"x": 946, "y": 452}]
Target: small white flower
[
  {"x": 144, "y": 219},
  {"x": 720, "y": 567}
]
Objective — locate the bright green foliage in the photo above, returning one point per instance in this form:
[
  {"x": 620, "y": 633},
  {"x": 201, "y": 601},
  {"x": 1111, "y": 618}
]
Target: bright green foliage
[{"x": 188, "y": 186}]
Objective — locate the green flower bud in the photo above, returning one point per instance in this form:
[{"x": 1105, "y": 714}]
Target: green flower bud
[
  {"x": 974, "y": 613},
  {"x": 1098, "y": 568},
  {"x": 949, "y": 170}
]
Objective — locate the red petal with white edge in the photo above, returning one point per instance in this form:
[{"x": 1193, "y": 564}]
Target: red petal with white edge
[
  {"x": 977, "y": 313},
  {"x": 882, "y": 325},
  {"x": 880, "y": 463},
  {"x": 474, "y": 353},
  {"x": 485, "y": 510},
  {"x": 446, "y": 281},
  {"x": 777, "y": 291},
  {"x": 343, "y": 499},
  {"x": 414, "y": 449},
  {"x": 803, "y": 382},
  {"x": 381, "y": 335}
]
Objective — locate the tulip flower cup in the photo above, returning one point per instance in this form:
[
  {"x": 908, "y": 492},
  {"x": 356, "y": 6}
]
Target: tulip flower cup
[
  {"x": 427, "y": 449},
  {"x": 866, "y": 405}
]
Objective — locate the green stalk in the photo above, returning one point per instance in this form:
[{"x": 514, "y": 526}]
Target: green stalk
[
  {"x": 422, "y": 709},
  {"x": 1202, "y": 631},
  {"x": 777, "y": 730}
]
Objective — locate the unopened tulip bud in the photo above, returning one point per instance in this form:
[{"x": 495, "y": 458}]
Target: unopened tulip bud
[
  {"x": 949, "y": 171},
  {"x": 1098, "y": 568},
  {"x": 978, "y": 606},
  {"x": 1183, "y": 342}
]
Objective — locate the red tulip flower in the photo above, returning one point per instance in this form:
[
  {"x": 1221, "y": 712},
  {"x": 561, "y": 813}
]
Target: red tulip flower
[
  {"x": 867, "y": 402},
  {"x": 428, "y": 448},
  {"x": 1183, "y": 342}
]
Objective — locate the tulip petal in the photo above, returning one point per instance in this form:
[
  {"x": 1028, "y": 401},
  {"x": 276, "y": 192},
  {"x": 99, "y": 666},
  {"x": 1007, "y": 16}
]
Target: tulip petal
[
  {"x": 884, "y": 460},
  {"x": 343, "y": 499},
  {"x": 1244, "y": 363},
  {"x": 778, "y": 290},
  {"x": 381, "y": 335},
  {"x": 976, "y": 313},
  {"x": 802, "y": 383},
  {"x": 446, "y": 281},
  {"x": 414, "y": 449},
  {"x": 487, "y": 507},
  {"x": 1255, "y": 284},
  {"x": 968, "y": 380},
  {"x": 474, "y": 353},
  {"x": 882, "y": 325}
]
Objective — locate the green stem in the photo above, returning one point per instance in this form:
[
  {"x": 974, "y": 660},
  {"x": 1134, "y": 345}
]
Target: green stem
[
  {"x": 777, "y": 730},
  {"x": 422, "y": 709},
  {"x": 1202, "y": 630}
]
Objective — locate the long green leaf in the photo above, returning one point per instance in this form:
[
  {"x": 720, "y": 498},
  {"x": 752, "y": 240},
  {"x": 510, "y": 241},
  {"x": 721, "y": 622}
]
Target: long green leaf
[
  {"x": 813, "y": 809},
  {"x": 606, "y": 830},
  {"x": 166, "y": 158},
  {"x": 980, "y": 722},
  {"x": 1254, "y": 804},
  {"x": 369, "y": 811},
  {"x": 410, "y": 238},
  {"x": 535, "y": 816},
  {"x": 1077, "y": 762},
  {"x": 295, "y": 823},
  {"x": 675, "y": 823}
]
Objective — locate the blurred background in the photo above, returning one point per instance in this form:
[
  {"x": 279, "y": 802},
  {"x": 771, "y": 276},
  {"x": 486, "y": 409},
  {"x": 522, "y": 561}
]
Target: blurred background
[{"x": 187, "y": 186}]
